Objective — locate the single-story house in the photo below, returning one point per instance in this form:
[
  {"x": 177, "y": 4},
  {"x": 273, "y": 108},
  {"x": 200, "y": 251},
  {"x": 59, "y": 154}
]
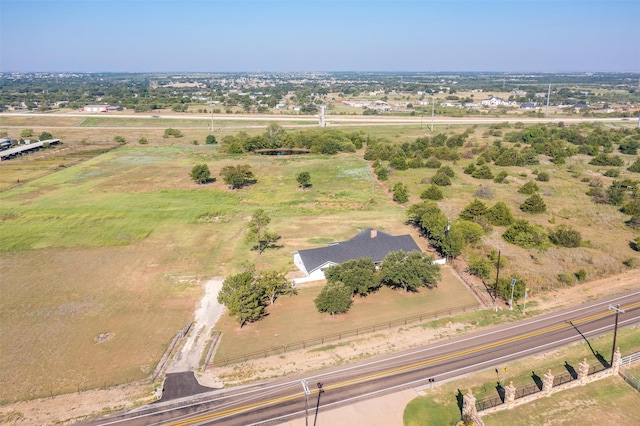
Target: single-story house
[
  {"x": 369, "y": 243},
  {"x": 529, "y": 105}
]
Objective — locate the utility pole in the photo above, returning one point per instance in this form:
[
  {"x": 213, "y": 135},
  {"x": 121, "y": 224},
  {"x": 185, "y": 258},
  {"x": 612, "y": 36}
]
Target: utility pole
[
  {"x": 433, "y": 104},
  {"x": 495, "y": 290},
  {"x": 211, "y": 105},
  {"x": 305, "y": 387},
  {"x": 615, "y": 328},
  {"x": 546, "y": 112},
  {"x": 513, "y": 286}
]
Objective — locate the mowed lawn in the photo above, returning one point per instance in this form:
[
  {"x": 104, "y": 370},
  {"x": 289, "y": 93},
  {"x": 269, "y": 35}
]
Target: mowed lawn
[
  {"x": 294, "y": 319},
  {"x": 101, "y": 261}
]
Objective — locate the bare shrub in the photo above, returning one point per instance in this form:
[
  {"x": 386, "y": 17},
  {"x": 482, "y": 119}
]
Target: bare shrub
[{"x": 484, "y": 192}]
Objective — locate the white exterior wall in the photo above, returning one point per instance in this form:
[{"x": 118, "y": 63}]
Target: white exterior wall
[
  {"x": 297, "y": 260},
  {"x": 95, "y": 108}
]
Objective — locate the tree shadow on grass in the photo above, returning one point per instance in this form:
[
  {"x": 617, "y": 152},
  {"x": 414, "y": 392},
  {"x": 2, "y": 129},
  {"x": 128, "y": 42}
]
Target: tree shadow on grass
[
  {"x": 571, "y": 370},
  {"x": 500, "y": 390},
  {"x": 460, "y": 399},
  {"x": 536, "y": 379}
]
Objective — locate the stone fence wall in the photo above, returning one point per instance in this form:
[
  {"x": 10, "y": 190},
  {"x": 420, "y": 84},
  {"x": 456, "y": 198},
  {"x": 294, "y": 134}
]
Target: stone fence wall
[{"x": 551, "y": 384}]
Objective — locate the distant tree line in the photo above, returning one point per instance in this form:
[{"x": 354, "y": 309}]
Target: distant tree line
[{"x": 322, "y": 141}]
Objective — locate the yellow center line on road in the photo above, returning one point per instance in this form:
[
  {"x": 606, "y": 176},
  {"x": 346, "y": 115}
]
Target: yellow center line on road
[{"x": 393, "y": 371}]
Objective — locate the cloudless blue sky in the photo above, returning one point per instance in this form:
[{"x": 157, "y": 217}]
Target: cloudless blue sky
[{"x": 311, "y": 35}]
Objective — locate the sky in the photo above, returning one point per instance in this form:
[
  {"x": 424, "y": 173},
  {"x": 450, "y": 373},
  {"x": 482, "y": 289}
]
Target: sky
[{"x": 312, "y": 35}]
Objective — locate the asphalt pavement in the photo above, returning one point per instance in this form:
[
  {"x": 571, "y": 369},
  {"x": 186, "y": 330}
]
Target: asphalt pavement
[{"x": 181, "y": 385}]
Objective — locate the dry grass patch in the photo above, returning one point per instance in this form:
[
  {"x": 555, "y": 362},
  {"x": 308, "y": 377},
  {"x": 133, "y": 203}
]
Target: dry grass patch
[
  {"x": 294, "y": 319},
  {"x": 85, "y": 318}
]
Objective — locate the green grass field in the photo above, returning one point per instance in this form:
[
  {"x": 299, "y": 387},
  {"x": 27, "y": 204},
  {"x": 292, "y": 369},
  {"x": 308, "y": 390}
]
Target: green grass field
[
  {"x": 592, "y": 403},
  {"x": 113, "y": 246},
  {"x": 116, "y": 243}
]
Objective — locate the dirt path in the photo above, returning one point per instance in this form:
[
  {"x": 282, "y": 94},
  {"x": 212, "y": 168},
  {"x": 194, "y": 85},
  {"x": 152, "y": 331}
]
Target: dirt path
[{"x": 205, "y": 318}]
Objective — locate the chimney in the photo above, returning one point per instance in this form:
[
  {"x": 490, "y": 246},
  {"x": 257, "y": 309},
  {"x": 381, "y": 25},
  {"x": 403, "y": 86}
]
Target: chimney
[{"x": 374, "y": 233}]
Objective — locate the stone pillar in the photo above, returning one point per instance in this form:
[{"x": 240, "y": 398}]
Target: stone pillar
[
  {"x": 583, "y": 371},
  {"x": 547, "y": 383},
  {"x": 509, "y": 394},
  {"x": 615, "y": 363},
  {"x": 469, "y": 405}
]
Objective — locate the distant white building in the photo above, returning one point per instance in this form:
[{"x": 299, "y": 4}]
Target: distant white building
[
  {"x": 101, "y": 108},
  {"x": 95, "y": 108},
  {"x": 495, "y": 101}
]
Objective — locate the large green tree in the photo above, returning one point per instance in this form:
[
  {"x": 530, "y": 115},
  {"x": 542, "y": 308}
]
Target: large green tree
[
  {"x": 358, "y": 274},
  {"x": 243, "y": 296},
  {"x": 334, "y": 298},
  {"x": 409, "y": 271},
  {"x": 200, "y": 173},
  {"x": 237, "y": 176},
  {"x": 259, "y": 233},
  {"x": 275, "y": 284}
]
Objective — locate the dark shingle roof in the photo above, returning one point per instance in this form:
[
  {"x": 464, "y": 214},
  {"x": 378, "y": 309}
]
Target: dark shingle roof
[{"x": 362, "y": 245}]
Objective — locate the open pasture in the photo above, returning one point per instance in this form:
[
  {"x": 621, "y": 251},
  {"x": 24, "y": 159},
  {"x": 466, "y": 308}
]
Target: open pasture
[
  {"x": 134, "y": 230},
  {"x": 102, "y": 259}
]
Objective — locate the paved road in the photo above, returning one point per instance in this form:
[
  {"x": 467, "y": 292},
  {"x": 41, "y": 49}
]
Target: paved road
[
  {"x": 283, "y": 399},
  {"x": 331, "y": 119}
]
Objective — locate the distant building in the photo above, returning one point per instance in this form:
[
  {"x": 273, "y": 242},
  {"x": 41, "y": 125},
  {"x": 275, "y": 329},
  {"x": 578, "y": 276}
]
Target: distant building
[
  {"x": 495, "y": 101},
  {"x": 95, "y": 108},
  {"x": 101, "y": 108},
  {"x": 529, "y": 105},
  {"x": 579, "y": 106}
]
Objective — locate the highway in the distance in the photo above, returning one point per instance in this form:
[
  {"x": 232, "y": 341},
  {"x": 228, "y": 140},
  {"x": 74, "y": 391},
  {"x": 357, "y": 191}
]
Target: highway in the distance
[
  {"x": 277, "y": 400},
  {"x": 332, "y": 120}
]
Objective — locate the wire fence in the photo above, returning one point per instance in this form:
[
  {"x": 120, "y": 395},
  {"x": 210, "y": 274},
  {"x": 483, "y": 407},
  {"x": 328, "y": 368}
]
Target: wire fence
[
  {"x": 563, "y": 378},
  {"x": 303, "y": 344},
  {"x": 596, "y": 369},
  {"x": 630, "y": 378},
  {"x": 626, "y": 374},
  {"x": 485, "y": 404}
]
